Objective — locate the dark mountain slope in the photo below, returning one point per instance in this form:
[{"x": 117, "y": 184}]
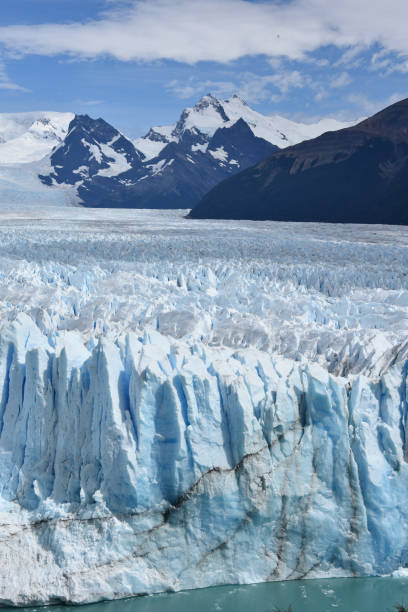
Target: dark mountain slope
[
  {"x": 108, "y": 171},
  {"x": 354, "y": 175},
  {"x": 180, "y": 175},
  {"x": 90, "y": 148}
]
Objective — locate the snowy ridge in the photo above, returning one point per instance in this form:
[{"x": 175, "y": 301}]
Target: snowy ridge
[
  {"x": 209, "y": 114},
  {"x": 28, "y": 137},
  {"x": 236, "y": 393},
  {"x": 155, "y": 140},
  {"x": 26, "y": 141},
  {"x": 279, "y": 130}
]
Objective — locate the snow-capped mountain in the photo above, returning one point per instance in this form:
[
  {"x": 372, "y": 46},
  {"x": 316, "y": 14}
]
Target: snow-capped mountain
[
  {"x": 108, "y": 170},
  {"x": 72, "y": 159},
  {"x": 28, "y": 137},
  {"x": 209, "y": 114},
  {"x": 91, "y": 148},
  {"x": 26, "y": 143}
]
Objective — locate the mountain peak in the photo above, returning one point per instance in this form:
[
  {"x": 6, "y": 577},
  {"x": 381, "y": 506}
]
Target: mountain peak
[
  {"x": 208, "y": 98},
  {"x": 28, "y": 137},
  {"x": 237, "y": 100},
  {"x": 209, "y": 114},
  {"x": 210, "y": 102},
  {"x": 391, "y": 121},
  {"x": 205, "y": 116}
]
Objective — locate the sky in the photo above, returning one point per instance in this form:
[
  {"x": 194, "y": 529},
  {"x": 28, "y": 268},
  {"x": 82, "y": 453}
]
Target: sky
[{"x": 138, "y": 63}]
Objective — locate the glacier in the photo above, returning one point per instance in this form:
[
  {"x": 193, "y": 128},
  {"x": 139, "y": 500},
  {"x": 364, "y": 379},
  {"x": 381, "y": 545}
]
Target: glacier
[{"x": 191, "y": 403}]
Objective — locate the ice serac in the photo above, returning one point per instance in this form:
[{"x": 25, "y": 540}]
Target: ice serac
[
  {"x": 189, "y": 403},
  {"x": 144, "y": 465}
]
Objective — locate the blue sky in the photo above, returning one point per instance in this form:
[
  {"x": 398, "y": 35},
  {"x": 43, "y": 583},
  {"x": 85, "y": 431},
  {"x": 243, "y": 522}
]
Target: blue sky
[{"x": 139, "y": 62}]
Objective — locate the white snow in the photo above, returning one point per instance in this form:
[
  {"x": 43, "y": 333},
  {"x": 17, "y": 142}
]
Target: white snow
[
  {"x": 28, "y": 137},
  {"x": 20, "y": 187},
  {"x": 199, "y": 147},
  {"x": 118, "y": 166},
  {"x": 159, "y": 166},
  {"x": 185, "y": 403},
  {"x": 279, "y": 130},
  {"x": 219, "y": 154},
  {"x": 82, "y": 170},
  {"x": 150, "y": 147},
  {"x": 164, "y": 130},
  {"x": 94, "y": 150},
  {"x": 206, "y": 119}
]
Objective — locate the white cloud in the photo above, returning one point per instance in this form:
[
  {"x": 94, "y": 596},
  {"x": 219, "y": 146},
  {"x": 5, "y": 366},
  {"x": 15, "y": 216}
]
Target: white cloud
[
  {"x": 369, "y": 107},
  {"x": 251, "y": 87},
  {"x": 194, "y": 88},
  {"x": 88, "y": 102},
  {"x": 219, "y": 30},
  {"x": 342, "y": 80},
  {"x": 6, "y": 83},
  {"x": 389, "y": 62},
  {"x": 350, "y": 57},
  {"x": 322, "y": 94},
  {"x": 274, "y": 87},
  {"x": 12, "y": 86}
]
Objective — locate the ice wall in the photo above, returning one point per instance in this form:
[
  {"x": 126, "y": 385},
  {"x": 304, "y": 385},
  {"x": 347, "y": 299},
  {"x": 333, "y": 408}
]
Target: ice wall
[
  {"x": 143, "y": 464},
  {"x": 189, "y": 403}
]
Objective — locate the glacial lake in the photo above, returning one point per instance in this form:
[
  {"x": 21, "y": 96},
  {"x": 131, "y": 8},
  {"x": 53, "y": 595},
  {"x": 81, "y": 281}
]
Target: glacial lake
[{"x": 343, "y": 595}]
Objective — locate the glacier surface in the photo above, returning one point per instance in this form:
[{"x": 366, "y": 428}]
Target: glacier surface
[{"x": 189, "y": 403}]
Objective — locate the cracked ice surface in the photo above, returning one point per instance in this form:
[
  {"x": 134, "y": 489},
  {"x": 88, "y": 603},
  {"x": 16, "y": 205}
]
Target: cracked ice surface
[
  {"x": 189, "y": 403},
  {"x": 336, "y": 295}
]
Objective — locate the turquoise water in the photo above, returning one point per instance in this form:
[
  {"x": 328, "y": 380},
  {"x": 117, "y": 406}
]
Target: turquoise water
[{"x": 343, "y": 595}]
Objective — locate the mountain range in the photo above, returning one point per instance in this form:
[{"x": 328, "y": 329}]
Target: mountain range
[
  {"x": 353, "y": 175},
  {"x": 68, "y": 159}
]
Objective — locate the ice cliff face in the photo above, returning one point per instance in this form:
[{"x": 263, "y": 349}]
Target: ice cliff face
[
  {"x": 137, "y": 455},
  {"x": 146, "y": 466}
]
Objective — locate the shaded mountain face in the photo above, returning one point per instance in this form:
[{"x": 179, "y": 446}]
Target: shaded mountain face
[
  {"x": 172, "y": 166},
  {"x": 354, "y": 175},
  {"x": 182, "y": 172}
]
